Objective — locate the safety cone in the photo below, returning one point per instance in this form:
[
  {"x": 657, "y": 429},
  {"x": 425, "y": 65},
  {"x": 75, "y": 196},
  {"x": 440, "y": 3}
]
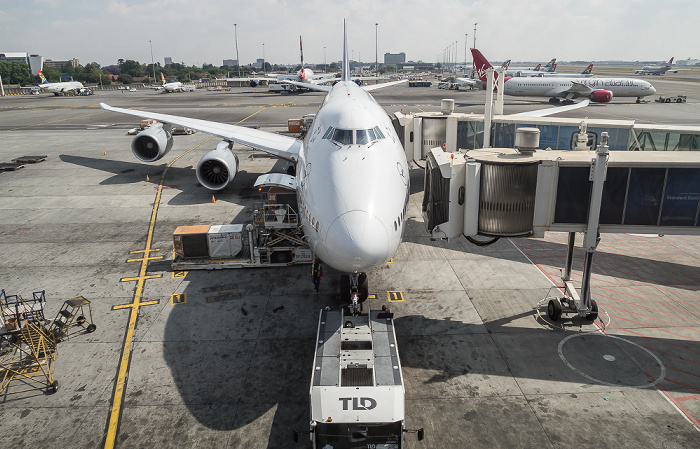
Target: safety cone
[
  {"x": 213, "y": 200},
  {"x": 148, "y": 179},
  {"x": 252, "y": 158},
  {"x": 105, "y": 153}
]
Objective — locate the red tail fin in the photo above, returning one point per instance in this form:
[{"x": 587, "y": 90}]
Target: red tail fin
[{"x": 480, "y": 64}]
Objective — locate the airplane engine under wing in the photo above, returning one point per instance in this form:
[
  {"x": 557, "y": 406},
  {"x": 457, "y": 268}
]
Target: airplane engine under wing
[
  {"x": 218, "y": 167},
  {"x": 152, "y": 143},
  {"x": 254, "y": 83},
  {"x": 601, "y": 96}
]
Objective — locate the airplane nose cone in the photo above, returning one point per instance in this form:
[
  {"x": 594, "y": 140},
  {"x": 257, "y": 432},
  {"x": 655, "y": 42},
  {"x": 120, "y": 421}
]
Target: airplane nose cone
[
  {"x": 652, "y": 90},
  {"x": 357, "y": 241}
]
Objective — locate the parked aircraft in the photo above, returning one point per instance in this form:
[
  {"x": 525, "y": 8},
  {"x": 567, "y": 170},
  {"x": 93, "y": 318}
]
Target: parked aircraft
[
  {"x": 304, "y": 75},
  {"x": 550, "y": 67},
  {"x": 566, "y": 89},
  {"x": 61, "y": 88},
  {"x": 350, "y": 173},
  {"x": 588, "y": 71},
  {"x": 656, "y": 69},
  {"x": 173, "y": 86}
]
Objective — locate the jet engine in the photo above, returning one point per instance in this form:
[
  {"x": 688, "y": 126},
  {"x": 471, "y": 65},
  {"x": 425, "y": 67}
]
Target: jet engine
[
  {"x": 358, "y": 81},
  {"x": 152, "y": 143},
  {"x": 254, "y": 83},
  {"x": 601, "y": 96},
  {"x": 218, "y": 167}
]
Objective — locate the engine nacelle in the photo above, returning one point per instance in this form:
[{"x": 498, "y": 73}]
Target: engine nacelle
[
  {"x": 601, "y": 96},
  {"x": 218, "y": 167},
  {"x": 358, "y": 81},
  {"x": 152, "y": 143},
  {"x": 254, "y": 83}
]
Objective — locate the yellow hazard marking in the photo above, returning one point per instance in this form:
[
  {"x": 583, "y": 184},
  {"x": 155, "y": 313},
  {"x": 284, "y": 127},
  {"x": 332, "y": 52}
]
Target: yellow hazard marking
[
  {"x": 178, "y": 298},
  {"x": 371, "y": 296},
  {"x": 124, "y": 362},
  {"x": 391, "y": 260},
  {"x": 395, "y": 296},
  {"x": 179, "y": 274},
  {"x": 139, "y": 278}
]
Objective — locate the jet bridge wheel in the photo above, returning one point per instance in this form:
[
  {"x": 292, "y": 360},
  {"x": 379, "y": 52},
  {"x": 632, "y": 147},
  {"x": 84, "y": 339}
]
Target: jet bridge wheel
[
  {"x": 554, "y": 309},
  {"x": 594, "y": 311}
]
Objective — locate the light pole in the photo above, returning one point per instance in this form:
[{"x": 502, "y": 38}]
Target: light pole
[
  {"x": 238, "y": 61},
  {"x": 474, "y": 35},
  {"x": 465, "y": 53},
  {"x": 263, "y": 65},
  {"x": 325, "y": 69},
  {"x": 152, "y": 63},
  {"x": 376, "y": 57}
]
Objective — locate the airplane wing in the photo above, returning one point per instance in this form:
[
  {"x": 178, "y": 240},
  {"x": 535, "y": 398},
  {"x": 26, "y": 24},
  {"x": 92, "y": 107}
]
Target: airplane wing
[
  {"x": 284, "y": 147},
  {"x": 468, "y": 81},
  {"x": 578, "y": 89},
  {"x": 382, "y": 85},
  {"x": 312, "y": 86},
  {"x": 550, "y": 111}
]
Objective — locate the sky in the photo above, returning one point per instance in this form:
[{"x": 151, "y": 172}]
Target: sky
[{"x": 195, "y": 32}]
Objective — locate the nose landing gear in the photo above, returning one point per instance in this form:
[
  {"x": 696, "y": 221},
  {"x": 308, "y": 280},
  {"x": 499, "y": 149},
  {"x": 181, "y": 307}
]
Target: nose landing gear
[{"x": 354, "y": 289}]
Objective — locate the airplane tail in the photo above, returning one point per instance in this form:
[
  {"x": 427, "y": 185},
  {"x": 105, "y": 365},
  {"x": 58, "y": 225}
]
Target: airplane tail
[
  {"x": 346, "y": 61},
  {"x": 538, "y": 68},
  {"x": 480, "y": 64},
  {"x": 506, "y": 64},
  {"x": 670, "y": 63},
  {"x": 43, "y": 78},
  {"x": 162, "y": 79},
  {"x": 301, "y": 50},
  {"x": 588, "y": 70},
  {"x": 553, "y": 68},
  {"x": 550, "y": 64}
]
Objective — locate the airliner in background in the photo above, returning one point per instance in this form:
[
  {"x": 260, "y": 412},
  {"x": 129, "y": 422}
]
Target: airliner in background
[
  {"x": 656, "y": 69},
  {"x": 588, "y": 71},
  {"x": 61, "y": 88},
  {"x": 173, "y": 86},
  {"x": 350, "y": 173},
  {"x": 567, "y": 89},
  {"x": 550, "y": 67}
]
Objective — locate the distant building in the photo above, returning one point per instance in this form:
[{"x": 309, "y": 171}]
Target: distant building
[
  {"x": 58, "y": 65},
  {"x": 258, "y": 63},
  {"x": 35, "y": 62},
  {"x": 168, "y": 61},
  {"x": 394, "y": 58},
  {"x": 230, "y": 62}
]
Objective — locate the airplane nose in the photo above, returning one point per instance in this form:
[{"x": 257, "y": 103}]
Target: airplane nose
[
  {"x": 652, "y": 89},
  {"x": 357, "y": 241}
]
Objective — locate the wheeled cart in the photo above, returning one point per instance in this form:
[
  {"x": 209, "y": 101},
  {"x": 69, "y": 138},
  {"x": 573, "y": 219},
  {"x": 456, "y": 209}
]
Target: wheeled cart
[{"x": 72, "y": 318}]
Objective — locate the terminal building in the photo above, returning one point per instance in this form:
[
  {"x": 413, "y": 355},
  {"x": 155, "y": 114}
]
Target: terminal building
[
  {"x": 230, "y": 62},
  {"x": 395, "y": 58},
  {"x": 35, "y": 62}
]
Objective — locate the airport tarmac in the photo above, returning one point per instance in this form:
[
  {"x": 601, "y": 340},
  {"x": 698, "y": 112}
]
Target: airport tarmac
[{"x": 228, "y": 364}]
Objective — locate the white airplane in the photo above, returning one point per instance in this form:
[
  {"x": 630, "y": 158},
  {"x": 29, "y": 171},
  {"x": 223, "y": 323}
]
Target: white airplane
[
  {"x": 588, "y": 71},
  {"x": 550, "y": 67},
  {"x": 173, "y": 86},
  {"x": 61, "y": 88},
  {"x": 566, "y": 89},
  {"x": 656, "y": 69},
  {"x": 351, "y": 173},
  {"x": 304, "y": 75},
  {"x": 352, "y": 177}
]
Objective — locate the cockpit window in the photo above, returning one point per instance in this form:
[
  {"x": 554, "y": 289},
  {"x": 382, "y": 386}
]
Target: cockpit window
[
  {"x": 329, "y": 133},
  {"x": 361, "y": 137},
  {"x": 350, "y": 136},
  {"x": 343, "y": 136}
]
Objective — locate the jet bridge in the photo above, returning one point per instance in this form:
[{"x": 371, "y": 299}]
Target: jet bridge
[{"x": 503, "y": 192}]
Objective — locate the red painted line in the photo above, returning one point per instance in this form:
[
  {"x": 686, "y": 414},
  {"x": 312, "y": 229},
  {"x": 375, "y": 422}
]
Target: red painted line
[
  {"x": 650, "y": 337},
  {"x": 688, "y": 398},
  {"x": 680, "y": 384},
  {"x": 684, "y": 372},
  {"x": 609, "y": 306},
  {"x": 682, "y": 337}
]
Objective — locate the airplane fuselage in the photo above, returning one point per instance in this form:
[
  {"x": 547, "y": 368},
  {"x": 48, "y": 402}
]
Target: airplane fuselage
[
  {"x": 553, "y": 87},
  {"x": 353, "y": 182},
  {"x": 68, "y": 86}
]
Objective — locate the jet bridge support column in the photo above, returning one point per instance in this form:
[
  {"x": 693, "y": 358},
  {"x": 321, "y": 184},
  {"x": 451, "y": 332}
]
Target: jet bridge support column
[{"x": 585, "y": 306}]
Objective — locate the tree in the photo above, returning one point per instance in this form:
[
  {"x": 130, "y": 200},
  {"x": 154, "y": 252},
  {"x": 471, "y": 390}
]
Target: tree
[
  {"x": 131, "y": 67},
  {"x": 14, "y": 72}
]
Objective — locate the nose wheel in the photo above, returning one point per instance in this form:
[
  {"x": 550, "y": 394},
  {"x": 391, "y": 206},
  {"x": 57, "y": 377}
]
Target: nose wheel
[{"x": 354, "y": 289}]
